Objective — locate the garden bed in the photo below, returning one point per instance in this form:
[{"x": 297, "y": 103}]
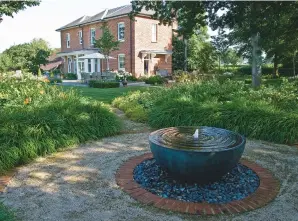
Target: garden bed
[
  {"x": 37, "y": 118},
  {"x": 269, "y": 113}
]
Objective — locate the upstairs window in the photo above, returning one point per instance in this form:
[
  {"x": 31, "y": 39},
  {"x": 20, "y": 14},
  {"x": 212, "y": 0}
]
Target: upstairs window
[
  {"x": 92, "y": 36},
  {"x": 154, "y": 33},
  {"x": 81, "y": 37},
  {"x": 67, "y": 40},
  {"x": 121, "y": 30},
  {"x": 121, "y": 62}
]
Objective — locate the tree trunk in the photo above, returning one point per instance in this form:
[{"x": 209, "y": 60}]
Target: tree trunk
[
  {"x": 275, "y": 70},
  {"x": 294, "y": 71},
  {"x": 219, "y": 63},
  {"x": 185, "y": 54},
  {"x": 256, "y": 61},
  {"x": 108, "y": 63}
]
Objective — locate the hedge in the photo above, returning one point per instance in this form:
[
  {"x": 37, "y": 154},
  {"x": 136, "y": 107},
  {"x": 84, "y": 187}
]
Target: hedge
[{"x": 103, "y": 84}]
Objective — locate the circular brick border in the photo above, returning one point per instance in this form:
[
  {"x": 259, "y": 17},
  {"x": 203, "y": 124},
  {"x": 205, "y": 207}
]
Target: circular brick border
[{"x": 266, "y": 192}]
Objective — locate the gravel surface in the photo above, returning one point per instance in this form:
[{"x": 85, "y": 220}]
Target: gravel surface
[{"x": 79, "y": 184}]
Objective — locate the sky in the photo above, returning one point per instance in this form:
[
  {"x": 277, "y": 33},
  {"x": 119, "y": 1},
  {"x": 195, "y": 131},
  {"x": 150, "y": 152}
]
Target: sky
[{"x": 42, "y": 21}]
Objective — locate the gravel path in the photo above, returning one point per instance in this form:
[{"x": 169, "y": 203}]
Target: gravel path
[{"x": 79, "y": 184}]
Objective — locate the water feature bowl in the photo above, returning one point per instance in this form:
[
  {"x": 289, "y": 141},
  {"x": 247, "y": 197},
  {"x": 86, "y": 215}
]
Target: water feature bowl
[{"x": 202, "y": 156}]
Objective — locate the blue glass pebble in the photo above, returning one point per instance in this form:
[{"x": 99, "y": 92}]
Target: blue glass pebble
[{"x": 236, "y": 185}]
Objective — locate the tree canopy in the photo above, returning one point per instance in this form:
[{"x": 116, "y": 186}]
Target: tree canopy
[
  {"x": 25, "y": 56},
  {"x": 255, "y": 26},
  {"x": 190, "y": 15},
  {"x": 8, "y": 8},
  {"x": 107, "y": 43}
]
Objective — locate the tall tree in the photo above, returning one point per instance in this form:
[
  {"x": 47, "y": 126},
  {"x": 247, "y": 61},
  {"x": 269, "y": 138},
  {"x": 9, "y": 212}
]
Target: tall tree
[
  {"x": 221, "y": 44},
  {"x": 178, "y": 53},
  {"x": 270, "y": 27},
  {"x": 37, "y": 54},
  {"x": 190, "y": 15},
  {"x": 247, "y": 19},
  {"x": 201, "y": 53},
  {"x": 25, "y": 56},
  {"x": 107, "y": 43},
  {"x": 280, "y": 31},
  {"x": 8, "y": 8}
]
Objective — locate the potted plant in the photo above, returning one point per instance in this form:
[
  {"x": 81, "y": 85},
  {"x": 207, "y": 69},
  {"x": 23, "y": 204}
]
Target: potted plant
[{"x": 124, "y": 81}]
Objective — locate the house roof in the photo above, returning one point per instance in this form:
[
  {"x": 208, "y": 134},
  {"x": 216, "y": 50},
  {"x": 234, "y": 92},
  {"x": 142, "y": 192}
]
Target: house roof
[
  {"x": 101, "y": 16},
  {"x": 156, "y": 51},
  {"x": 54, "y": 62}
]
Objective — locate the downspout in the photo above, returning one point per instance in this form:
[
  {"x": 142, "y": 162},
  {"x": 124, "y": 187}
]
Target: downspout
[
  {"x": 131, "y": 51},
  {"x": 83, "y": 47}
]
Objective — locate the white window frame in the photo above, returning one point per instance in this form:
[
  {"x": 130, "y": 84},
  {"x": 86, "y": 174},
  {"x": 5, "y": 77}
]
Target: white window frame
[
  {"x": 69, "y": 65},
  {"x": 91, "y": 38},
  {"x": 121, "y": 55},
  {"x": 154, "y": 33},
  {"x": 67, "y": 40},
  {"x": 89, "y": 65},
  {"x": 81, "y": 37},
  {"x": 118, "y": 31}
]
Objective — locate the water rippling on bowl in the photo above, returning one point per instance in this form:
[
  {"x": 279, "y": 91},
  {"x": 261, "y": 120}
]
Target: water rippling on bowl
[{"x": 210, "y": 138}]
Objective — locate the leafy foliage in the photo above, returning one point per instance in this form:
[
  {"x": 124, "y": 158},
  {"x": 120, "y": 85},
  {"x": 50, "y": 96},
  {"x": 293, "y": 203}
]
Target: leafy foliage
[
  {"x": 190, "y": 15},
  {"x": 270, "y": 113},
  {"x": 103, "y": 84},
  {"x": 25, "y": 56},
  {"x": 201, "y": 54},
  {"x": 178, "y": 55},
  {"x": 155, "y": 80},
  {"x": 221, "y": 44},
  {"x": 8, "y": 8},
  {"x": 107, "y": 43},
  {"x": 231, "y": 57},
  {"x": 70, "y": 76},
  {"x": 37, "y": 118}
]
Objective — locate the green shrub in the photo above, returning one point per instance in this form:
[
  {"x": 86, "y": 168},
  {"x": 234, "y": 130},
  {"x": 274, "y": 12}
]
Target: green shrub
[
  {"x": 142, "y": 79},
  {"x": 131, "y": 78},
  {"x": 154, "y": 80},
  {"x": 70, "y": 76},
  {"x": 248, "y": 81},
  {"x": 103, "y": 84},
  {"x": 55, "y": 80},
  {"x": 52, "y": 75},
  {"x": 270, "y": 113},
  {"x": 130, "y": 104},
  {"x": 38, "y": 118}
]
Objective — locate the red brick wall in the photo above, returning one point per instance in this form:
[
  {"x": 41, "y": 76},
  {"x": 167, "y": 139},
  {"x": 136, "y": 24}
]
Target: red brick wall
[
  {"x": 137, "y": 38},
  {"x": 74, "y": 40},
  {"x": 143, "y": 42},
  {"x": 125, "y": 46}
]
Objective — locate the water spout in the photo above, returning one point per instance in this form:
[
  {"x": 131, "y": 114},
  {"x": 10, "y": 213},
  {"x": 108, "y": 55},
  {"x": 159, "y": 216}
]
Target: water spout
[{"x": 196, "y": 134}]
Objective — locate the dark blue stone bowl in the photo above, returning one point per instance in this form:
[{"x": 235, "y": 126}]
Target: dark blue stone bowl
[{"x": 206, "y": 159}]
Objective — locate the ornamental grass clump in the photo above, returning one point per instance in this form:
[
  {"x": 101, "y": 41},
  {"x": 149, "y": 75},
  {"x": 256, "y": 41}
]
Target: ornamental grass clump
[
  {"x": 269, "y": 113},
  {"x": 38, "y": 118}
]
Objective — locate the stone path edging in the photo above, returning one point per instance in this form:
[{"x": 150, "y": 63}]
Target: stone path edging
[{"x": 266, "y": 192}]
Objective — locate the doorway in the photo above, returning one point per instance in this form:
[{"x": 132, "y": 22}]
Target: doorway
[
  {"x": 146, "y": 65},
  {"x": 81, "y": 66}
]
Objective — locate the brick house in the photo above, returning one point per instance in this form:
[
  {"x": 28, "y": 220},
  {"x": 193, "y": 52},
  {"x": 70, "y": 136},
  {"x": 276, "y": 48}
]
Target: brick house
[{"x": 145, "y": 48}]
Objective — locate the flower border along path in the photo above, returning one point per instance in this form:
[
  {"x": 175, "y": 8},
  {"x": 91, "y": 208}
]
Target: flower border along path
[{"x": 266, "y": 192}]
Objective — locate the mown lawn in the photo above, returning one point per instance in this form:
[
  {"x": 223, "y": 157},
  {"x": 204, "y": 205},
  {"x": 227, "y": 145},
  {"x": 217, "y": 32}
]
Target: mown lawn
[{"x": 105, "y": 95}]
